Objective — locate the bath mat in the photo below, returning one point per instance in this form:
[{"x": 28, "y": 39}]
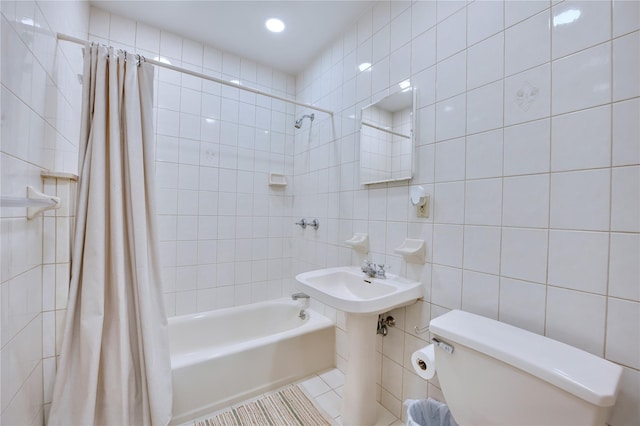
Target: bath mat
[{"x": 286, "y": 407}]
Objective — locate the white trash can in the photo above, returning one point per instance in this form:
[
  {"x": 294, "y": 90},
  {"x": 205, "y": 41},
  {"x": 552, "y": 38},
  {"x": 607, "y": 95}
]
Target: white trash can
[{"x": 428, "y": 412}]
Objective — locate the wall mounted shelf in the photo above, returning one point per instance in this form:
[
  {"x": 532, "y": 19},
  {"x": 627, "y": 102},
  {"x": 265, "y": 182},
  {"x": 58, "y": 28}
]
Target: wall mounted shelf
[
  {"x": 359, "y": 242},
  {"x": 413, "y": 251},
  {"x": 277, "y": 179}
]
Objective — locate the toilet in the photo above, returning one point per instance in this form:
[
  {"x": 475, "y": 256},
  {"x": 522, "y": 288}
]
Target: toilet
[{"x": 492, "y": 373}]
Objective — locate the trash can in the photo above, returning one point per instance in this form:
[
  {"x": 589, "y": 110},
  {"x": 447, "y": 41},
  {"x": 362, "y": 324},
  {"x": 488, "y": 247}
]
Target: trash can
[{"x": 428, "y": 412}]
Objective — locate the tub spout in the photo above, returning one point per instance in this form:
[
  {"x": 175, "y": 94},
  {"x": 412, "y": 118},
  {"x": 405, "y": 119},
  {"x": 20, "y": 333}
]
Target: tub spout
[{"x": 296, "y": 296}]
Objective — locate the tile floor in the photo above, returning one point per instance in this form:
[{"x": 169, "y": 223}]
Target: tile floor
[{"x": 326, "y": 391}]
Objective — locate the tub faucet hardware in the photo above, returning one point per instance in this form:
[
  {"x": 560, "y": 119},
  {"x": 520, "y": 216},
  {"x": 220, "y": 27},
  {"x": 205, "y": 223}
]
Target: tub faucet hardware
[
  {"x": 303, "y": 223},
  {"x": 296, "y": 296},
  {"x": 383, "y": 323},
  {"x": 373, "y": 270}
]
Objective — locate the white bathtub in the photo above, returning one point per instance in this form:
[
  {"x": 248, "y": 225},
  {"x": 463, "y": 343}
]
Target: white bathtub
[{"x": 222, "y": 357}]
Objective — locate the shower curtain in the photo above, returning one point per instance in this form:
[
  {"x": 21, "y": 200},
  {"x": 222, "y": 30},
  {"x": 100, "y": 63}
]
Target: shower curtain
[{"x": 114, "y": 368}]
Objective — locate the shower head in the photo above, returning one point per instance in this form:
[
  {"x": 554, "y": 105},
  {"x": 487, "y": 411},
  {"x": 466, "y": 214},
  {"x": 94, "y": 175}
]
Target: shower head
[{"x": 299, "y": 120}]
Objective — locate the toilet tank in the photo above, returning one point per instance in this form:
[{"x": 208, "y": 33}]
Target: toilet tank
[{"x": 499, "y": 374}]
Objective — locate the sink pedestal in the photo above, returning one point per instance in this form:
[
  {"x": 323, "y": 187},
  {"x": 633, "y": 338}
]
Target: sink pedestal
[{"x": 359, "y": 399}]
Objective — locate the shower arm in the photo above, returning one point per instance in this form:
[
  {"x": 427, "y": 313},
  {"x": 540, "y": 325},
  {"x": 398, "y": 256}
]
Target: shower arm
[{"x": 301, "y": 119}]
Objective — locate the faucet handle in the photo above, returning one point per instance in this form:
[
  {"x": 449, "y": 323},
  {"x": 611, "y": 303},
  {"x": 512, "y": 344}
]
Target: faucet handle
[
  {"x": 381, "y": 272},
  {"x": 367, "y": 268}
]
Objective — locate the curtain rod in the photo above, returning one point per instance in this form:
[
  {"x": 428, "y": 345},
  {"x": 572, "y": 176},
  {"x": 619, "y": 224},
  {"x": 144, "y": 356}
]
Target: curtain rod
[{"x": 65, "y": 37}]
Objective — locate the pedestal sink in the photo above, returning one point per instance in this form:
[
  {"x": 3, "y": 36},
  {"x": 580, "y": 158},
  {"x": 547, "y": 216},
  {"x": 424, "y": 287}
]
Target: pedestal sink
[{"x": 362, "y": 299}]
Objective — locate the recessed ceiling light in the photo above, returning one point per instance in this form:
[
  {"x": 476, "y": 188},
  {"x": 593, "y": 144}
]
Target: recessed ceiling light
[
  {"x": 274, "y": 25},
  {"x": 364, "y": 66}
]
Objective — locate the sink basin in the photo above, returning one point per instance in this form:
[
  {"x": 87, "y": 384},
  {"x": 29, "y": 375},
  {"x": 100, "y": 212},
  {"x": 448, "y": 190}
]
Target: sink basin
[{"x": 349, "y": 289}]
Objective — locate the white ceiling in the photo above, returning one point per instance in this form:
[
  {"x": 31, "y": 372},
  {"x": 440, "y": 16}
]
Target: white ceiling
[{"x": 238, "y": 26}]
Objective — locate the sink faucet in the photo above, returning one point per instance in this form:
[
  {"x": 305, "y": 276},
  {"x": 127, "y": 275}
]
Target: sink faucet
[
  {"x": 373, "y": 270},
  {"x": 296, "y": 296},
  {"x": 381, "y": 273}
]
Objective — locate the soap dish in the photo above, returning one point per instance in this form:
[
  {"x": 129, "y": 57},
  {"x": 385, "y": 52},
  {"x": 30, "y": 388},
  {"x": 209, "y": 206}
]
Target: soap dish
[
  {"x": 413, "y": 251},
  {"x": 359, "y": 242},
  {"x": 277, "y": 179}
]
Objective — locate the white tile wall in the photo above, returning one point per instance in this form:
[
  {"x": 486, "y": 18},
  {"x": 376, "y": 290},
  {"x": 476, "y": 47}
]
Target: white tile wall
[
  {"x": 484, "y": 21},
  {"x": 623, "y": 333},
  {"x": 485, "y": 61},
  {"x": 527, "y": 44},
  {"x": 578, "y": 260},
  {"x": 581, "y": 140},
  {"x": 484, "y": 155},
  {"x": 625, "y": 17},
  {"x": 480, "y": 294},
  {"x": 577, "y": 318},
  {"x": 522, "y": 304},
  {"x": 582, "y": 80},
  {"x": 626, "y": 132},
  {"x": 482, "y": 249},
  {"x": 624, "y": 267},
  {"x": 526, "y": 148},
  {"x": 56, "y": 262},
  {"x": 577, "y": 25},
  {"x": 483, "y": 202},
  {"x": 40, "y": 106},
  {"x": 533, "y": 108},
  {"x": 625, "y": 205},
  {"x": 526, "y": 201},
  {"x": 580, "y": 200},
  {"x": 527, "y": 95}
]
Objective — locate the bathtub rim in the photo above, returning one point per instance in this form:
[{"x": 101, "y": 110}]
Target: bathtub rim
[{"x": 315, "y": 321}]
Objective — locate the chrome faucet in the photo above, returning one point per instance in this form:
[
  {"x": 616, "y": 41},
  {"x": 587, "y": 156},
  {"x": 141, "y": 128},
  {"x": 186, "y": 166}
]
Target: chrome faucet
[
  {"x": 296, "y": 296},
  {"x": 303, "y": 315},
  {"x": 372, "y": 270},
  {"x": 368, "y": 268},
  {"x": 380, "y": 272}
]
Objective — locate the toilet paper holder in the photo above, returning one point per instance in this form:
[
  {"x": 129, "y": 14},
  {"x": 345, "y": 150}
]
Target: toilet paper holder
[{"x": 421, "y": 364}]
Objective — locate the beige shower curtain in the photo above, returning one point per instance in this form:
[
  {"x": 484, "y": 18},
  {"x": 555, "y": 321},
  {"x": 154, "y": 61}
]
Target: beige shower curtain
[{"x": 114, "y": 367}]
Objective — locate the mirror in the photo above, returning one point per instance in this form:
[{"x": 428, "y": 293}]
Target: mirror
[{"x": 387, "y": 138}]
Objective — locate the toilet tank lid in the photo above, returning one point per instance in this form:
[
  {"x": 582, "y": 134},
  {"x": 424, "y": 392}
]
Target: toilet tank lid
[{"x": 580, "y": 373}]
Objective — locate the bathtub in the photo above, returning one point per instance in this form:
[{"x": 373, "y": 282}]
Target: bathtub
[{"x": 222, "y": 357}]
